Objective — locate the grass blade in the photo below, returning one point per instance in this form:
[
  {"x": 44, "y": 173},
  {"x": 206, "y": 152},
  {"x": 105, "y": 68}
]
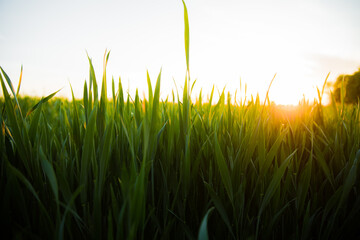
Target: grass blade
[{"x": 203, "y": 232}]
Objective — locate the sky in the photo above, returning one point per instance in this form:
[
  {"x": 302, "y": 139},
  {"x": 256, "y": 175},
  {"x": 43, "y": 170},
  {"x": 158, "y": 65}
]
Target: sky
[{"x": 299, "y": 41}]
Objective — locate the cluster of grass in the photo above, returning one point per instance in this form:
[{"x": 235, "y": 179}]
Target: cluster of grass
[{"x": 132, "y": 169}]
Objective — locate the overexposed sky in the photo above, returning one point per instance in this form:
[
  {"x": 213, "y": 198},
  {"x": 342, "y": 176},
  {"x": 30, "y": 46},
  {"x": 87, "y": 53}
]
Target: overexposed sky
[{"x": 301, "y": 41}]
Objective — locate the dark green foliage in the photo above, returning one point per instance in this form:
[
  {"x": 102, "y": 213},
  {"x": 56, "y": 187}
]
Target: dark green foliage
[
  {"x": 155, "y": 170},
  {"x": 350, "y": 85}
]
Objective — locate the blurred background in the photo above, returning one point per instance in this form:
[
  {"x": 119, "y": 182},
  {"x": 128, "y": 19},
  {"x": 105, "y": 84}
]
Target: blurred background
[{"x": 301, "y": 41}]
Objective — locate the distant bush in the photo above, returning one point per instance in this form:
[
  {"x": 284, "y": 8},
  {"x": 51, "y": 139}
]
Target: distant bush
[{"x": 351, "y": 87}]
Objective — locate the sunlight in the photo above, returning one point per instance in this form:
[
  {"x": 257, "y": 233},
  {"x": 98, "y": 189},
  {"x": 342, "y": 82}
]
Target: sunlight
[{"x": 236, "y": 40}]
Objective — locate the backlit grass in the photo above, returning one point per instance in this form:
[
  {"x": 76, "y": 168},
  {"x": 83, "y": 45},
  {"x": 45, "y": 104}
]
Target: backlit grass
[{"x": 125, "y": 168}]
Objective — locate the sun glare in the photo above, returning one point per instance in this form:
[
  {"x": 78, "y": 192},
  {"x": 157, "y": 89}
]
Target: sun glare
[{"x": 229, "y": 41}]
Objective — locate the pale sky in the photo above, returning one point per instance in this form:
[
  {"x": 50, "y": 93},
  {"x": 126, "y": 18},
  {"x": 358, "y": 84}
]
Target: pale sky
[{"x": 301, "y": 41}]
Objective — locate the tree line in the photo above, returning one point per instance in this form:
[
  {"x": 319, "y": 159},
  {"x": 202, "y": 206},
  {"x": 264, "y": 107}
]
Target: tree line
[{"x": 350, "y": 85}]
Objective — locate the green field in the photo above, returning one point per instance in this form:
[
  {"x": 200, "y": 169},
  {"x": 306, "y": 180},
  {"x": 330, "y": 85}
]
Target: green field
[{"x": 124, "y": 168}]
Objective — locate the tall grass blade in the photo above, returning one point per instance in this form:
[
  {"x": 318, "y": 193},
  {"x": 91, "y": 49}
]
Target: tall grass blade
[
  {"x": 203, "y": 231},
  {"x": 11, "y": 88},
  {"x": 43, "y": 100},
  {"x": 186, "y": 36},
  {"x": 223, "y": 169},
  {"x": 20, "y": 79}
]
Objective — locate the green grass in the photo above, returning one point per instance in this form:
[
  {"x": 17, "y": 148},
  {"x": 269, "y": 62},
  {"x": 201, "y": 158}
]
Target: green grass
[{"x": 119, "y": 168}]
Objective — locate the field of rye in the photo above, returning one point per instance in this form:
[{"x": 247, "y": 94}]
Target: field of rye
[{"x": 124, "y": 168}]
